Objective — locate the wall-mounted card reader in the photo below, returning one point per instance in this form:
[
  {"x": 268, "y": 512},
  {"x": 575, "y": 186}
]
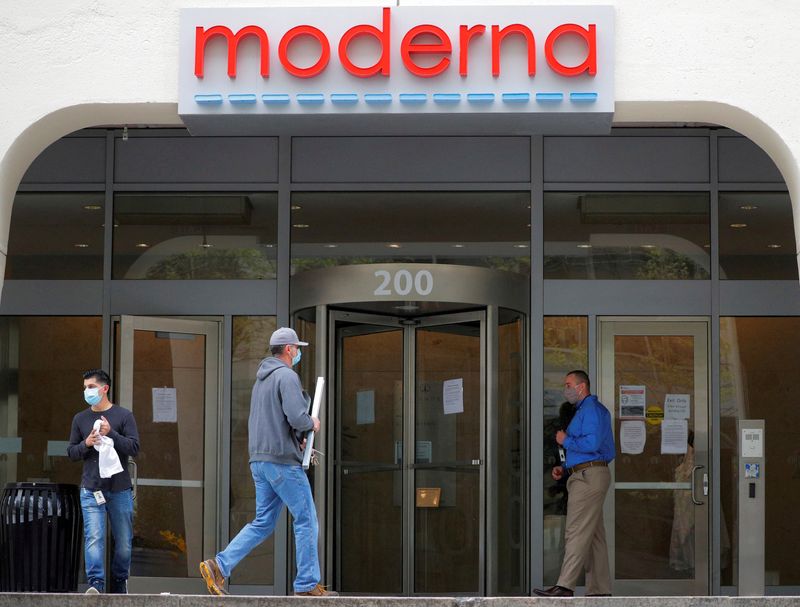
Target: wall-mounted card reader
[{"x": 752, "y": 507}]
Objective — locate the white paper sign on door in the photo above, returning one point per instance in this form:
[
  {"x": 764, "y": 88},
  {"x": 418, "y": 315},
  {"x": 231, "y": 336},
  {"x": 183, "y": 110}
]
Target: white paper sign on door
[
  {"x": 632, "y": 436},
  {"x": 365, "y": 407},
  {"x": 674, "y": 436},
  {"x": 453, "y": 395},
  {"x": 677, "y": 406},
  {"x": 165, "y": 405},
  {"x": 632, "y": 401}
]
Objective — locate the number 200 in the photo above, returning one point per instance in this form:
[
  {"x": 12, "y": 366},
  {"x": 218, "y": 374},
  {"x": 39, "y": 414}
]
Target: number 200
[{"x": 403, "y": 282}]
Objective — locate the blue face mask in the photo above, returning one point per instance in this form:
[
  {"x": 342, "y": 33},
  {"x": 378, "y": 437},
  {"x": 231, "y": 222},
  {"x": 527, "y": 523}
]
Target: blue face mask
[
  {"x": 92, "y": 396},
  {"x": 297, "y": 357}
]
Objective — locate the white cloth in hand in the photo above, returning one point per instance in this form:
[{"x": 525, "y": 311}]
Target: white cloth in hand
[{"x": 109, "y": 460}]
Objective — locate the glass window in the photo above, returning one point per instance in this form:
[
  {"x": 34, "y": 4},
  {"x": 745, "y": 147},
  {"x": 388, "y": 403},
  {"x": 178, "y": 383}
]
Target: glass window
[
  {"x": 566, "y": 348},
  {"x": 56, "y": 235},
  {"x": 759, "y": 358},
  {"x": 488, "y": 229},
  {"x": 250, "y": 346},
  {"x": 195, "y": 236},
  {"x": 510, "y": 455},
  {"x": 612, "y": 235},
  {"x": 42, "y": 361},
  {"x": 756, "y": 236}
]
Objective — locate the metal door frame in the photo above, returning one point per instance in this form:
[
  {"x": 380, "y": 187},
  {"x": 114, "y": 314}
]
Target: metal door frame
[
  {"x": 700, "y": 329},
  {"x": 409, "y": 327},
  {"x": 211, "y": 447}
]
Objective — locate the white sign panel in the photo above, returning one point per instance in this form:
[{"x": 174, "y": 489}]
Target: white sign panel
[
  {"x": 165, "y": 405},
  {"x": 677, "y": 406},
  {"x": 453, "y": 396},
  {"x": 632, "y": 436},
  {"x": 396, "y": 60},
  {"x": 365, "y": 407},
  {"x": 752, "y": 442}
]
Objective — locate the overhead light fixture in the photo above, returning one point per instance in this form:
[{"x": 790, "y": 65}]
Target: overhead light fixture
[
  {"x": 394, "y": 245},
  {"x": 520, "y": 246},
  {"x": 295, "y": 207},
  {"x": 738, "y": 225},
  {"x": 706, "y": 246},
  {"x": 300, "y": 226},
  {"x": 774, "y": 246},
  {"x": 648, "y": 246},
  {"x": 142, "y": 245},
  {"x": 92, "y": 207},
  {"x": 457, "y": 246},
  {"x": 330, "y": 246},
  {"x": 81, "y": 245},
  {"x": 748, "y": 207},
  {"x": 584, "y": 246}
]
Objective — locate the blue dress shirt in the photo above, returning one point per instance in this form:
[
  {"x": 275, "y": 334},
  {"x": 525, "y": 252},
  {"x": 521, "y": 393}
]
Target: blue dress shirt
[{"x": 589, "y": 435}]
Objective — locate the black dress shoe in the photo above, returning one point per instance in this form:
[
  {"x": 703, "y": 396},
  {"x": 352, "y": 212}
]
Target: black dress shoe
[{"x": 554, "y": 591}]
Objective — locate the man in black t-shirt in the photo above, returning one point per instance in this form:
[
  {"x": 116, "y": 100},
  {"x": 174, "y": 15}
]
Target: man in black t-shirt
[{"x": 99, "y": 495}]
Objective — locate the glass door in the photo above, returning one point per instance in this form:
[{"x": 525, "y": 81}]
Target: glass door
[
  {"x": 409, "y": 466},
  {"x": 168, "y": 374},
  {"x": 654, "y": 379}
]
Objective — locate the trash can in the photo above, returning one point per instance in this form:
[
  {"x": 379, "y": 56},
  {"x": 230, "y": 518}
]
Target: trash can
[{"x": 40, "y": 537}]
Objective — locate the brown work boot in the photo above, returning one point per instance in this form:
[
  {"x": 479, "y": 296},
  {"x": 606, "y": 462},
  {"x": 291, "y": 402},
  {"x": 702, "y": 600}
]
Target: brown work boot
[
  {"x": 215, "y": 581},
  {"x": 318, "y": 590}
]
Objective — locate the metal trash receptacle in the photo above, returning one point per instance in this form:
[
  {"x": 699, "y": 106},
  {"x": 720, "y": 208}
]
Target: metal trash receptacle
[{"x": 40, "y": 537}]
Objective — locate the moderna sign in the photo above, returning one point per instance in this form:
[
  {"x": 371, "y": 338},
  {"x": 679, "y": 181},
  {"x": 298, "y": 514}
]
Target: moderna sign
[{"x": 395, "y": 61}]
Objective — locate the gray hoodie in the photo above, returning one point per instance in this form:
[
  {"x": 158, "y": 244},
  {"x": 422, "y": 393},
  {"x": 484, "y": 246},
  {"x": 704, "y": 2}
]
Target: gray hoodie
[{"x": 278, "y": 412}]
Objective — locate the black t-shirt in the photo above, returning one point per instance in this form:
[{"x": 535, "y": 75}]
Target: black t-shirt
[{"x": 126, "y": 443}]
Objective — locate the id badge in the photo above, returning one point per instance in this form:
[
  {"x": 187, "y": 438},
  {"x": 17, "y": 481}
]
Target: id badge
[{"x": 99, "y": 498}]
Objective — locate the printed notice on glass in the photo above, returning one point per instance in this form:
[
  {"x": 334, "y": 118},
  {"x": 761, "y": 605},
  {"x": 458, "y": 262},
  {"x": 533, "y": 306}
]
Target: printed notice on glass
[
  {"x": 632, "y": 401},
  {"x": 165, "y": 405},
  {"x": 453, "y": 396},
  {"x": 677, "y": 406},
  {"x": 632, "y": 436},
  {"x": 674, "y": 436},
  {"x": 365, "y": 407}
]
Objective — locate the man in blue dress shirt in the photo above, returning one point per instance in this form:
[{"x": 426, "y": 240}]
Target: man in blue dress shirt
[{"x": 589, "y": 442}]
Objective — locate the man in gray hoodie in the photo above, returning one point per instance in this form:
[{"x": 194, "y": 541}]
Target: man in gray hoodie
[{"x": 278, "y": 422}]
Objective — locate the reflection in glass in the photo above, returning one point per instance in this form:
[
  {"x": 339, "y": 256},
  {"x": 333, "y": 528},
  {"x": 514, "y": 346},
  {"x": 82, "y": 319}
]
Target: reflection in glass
[
  {"x": 42, "y": 361},
  {"x": 756, "y": 236},
  {"x": 168, "y": 523},
  {"x": 194, "y": 236},
  {"x": 510, "y": 457},
  {"x": 566, "y": 347},
  {"x": 249, "y": 346},
  {"x": 56, "y": 235},
  {"x": 487, "y": 229},
  {"x": 446, "y": 445},
  {"x": 655, "y": 527},
  {"x": 759, "y": 358},
  {"x": 610, "y": 235},
  {"x": 369, "y": 473}
]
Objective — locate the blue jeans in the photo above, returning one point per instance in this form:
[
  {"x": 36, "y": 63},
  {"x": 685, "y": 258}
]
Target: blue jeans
[
  {"x": 276, "y": 485},
  {"x": 119, "y": 506}
]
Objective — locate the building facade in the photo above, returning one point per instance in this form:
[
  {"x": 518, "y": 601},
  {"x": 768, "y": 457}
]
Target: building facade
[{"x": 447, "y": 270}]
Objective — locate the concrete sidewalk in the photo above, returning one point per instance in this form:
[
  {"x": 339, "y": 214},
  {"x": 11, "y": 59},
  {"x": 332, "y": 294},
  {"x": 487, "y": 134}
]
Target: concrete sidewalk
[{"x": 174, "y": 600}]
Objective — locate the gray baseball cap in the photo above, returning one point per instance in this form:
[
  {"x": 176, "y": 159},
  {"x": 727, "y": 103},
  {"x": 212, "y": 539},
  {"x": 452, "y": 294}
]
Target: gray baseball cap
[{"x": 286, "y": 337}]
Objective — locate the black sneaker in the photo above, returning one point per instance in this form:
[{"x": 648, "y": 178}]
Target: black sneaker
[{"x": 119, "y": 587}]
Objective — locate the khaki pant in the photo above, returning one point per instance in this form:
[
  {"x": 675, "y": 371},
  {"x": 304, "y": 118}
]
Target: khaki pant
[{"x": 585, "y": 537}]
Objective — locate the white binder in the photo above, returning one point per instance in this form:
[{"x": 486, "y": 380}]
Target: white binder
[{"x": 320, "y": 388}]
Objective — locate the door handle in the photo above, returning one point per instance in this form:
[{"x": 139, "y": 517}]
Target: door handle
[{"x": 694, "y": 496}]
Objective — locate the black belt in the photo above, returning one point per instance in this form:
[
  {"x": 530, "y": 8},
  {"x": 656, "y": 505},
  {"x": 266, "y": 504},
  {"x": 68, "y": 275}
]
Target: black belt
[{"x": 584, "y": 465}]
